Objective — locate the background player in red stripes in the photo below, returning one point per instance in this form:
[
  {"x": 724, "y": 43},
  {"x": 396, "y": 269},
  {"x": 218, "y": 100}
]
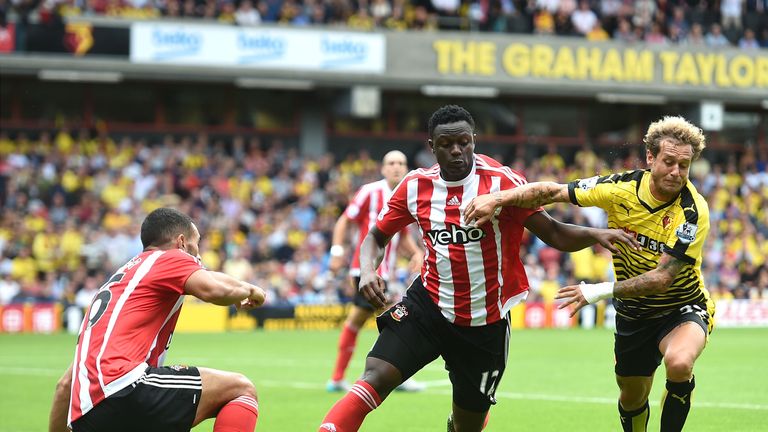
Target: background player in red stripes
[
  {"x": 362, "y": 211},
  {"x": 471, "y": 277},
  {"x": 117, "y": 381}
]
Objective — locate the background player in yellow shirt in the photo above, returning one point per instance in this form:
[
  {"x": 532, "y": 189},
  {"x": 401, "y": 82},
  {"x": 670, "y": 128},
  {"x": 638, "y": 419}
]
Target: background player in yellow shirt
[{"x": 662, "y": 307}]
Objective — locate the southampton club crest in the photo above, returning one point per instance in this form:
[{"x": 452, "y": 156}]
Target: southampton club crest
[
  {"x": 686, "y": 232},
  {"x": 399, "y": 312}
]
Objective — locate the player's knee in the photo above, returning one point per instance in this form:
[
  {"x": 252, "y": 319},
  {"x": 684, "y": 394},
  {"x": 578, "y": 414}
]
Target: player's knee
[
  {"x": 632, "y": 395},
  {"x": 383, "y": 377},
  {"x": 679, "y": 367},
  {"x": 245, "y": 386},
  {"x": 632, "y": 401}
]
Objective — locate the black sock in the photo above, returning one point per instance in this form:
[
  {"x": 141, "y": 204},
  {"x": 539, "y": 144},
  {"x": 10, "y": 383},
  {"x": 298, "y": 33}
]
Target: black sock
[
  {"x": 635, "y": 421},
  {"x": 676, "y": 404}
]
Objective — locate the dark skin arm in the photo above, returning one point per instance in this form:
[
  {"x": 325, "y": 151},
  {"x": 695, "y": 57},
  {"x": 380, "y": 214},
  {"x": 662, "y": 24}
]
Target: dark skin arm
[
  {"x": 57, "y": 420},
  {"x": 655, "y": 281},
  {"x": 371, "y": 253},
  {"x": 570, "y": 238},
  {"x": 408, "y": 248}
]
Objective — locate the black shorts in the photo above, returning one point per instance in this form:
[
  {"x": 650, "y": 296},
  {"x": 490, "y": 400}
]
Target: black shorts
[
  {"x": 413, "y": 333},
  {"x": 359, "y": 299},
  {"x": 163, "y": 400},
  {"x": 636, "y": 342}
]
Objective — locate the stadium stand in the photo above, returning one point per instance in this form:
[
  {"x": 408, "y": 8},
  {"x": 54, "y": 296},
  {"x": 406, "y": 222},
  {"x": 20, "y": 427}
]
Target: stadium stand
[
  {"x": 742, "y": 23},
  {"x": 71, "y": 206}
]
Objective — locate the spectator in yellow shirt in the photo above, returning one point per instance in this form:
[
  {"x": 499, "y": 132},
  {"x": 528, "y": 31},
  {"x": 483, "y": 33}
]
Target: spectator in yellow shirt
[
  {"x": 24, "y": 267},
  {"x": 598, "y": 33},
  {"x": 361, "y": 20},
  {"x": 583, "y": 270},
  {"x": 550, "y": 284},
  {"x": 45, "y": 249},
  {"x": 552, "y": 160},
  {"x": 71, "y": 245},
  {"x": 239, "y": 266}
]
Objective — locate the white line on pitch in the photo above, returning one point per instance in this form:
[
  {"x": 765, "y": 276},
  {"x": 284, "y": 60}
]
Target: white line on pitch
[
  {"x": 523, "y": 396},
  {"x": 612, "y": 401},
  {"x": 434, "y": 384},
  {"x": 30, "y": 371}
]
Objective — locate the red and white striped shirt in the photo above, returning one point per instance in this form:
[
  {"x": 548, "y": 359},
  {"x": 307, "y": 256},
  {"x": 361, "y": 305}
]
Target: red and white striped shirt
[
  {"x": 363, "y": 209},
  {"x": 128, "y": 326},
  {"x": 473, "y": 274}
]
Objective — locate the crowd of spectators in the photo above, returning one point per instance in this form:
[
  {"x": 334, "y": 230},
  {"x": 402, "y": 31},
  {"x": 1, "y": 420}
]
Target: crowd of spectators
[
  {"x": 711, "y": 23},
  {"x": 72, "y": 205}
]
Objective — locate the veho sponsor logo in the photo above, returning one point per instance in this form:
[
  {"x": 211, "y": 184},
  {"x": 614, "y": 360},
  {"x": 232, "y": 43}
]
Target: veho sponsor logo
[
  {"x": 257, "y": 48},
  {"x": 455, "y": 234},
  {"x": 175, "y": 43},
  {"x": 342, "y": 51}
]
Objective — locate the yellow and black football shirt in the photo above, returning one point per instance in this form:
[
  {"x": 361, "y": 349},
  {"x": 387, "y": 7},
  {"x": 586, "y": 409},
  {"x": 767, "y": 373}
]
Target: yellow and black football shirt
[{"x": 678, "y": 228}]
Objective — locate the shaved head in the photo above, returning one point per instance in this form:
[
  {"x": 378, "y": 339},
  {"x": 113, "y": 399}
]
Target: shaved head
[
  {"x": 394, "y": 166},
  {"x": 394, "y": 155}
]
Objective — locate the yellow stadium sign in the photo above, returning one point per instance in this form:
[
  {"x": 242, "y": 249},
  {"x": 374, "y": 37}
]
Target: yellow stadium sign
[{"x": 601, "y": 63}]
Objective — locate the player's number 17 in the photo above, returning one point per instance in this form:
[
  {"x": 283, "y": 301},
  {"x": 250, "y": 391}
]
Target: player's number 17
[{"x": 488, "y": 386}]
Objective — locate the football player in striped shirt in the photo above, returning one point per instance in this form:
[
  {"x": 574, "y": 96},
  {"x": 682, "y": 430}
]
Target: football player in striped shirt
[
  {"x": 663, "y": 310},
  {"x": 117, "y": 381},
  {"x": 362, "y": 211},
  {"x": 471, "y": 276}
]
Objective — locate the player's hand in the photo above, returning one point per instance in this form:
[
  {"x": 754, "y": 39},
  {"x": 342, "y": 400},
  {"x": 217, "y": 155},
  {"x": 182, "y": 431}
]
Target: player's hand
[
  {"x": 480, "y": 210},
  {"x": 573, "y": 296},
  {"x": 607, "y": 238},
  {"x": 256, "y": 299},
  {"x": 372, "y": 288},
  {"x": 336, "y": 263}
]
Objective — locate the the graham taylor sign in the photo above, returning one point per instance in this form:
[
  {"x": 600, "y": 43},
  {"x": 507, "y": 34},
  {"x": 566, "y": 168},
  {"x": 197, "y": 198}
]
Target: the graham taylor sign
[
  {"x": 551, "y": 63},
  {"x": 596, "y": 63}
]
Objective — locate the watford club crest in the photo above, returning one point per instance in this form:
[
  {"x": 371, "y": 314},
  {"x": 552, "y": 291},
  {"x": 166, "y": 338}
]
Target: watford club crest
[
  {"x": 666, "y": 221},
  {"x": 78, "y": 38},
  {"x": 399, "y": 312}
]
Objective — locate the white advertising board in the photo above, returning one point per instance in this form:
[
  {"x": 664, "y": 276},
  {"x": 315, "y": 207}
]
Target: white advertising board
[{"x": 258, "y": 48}]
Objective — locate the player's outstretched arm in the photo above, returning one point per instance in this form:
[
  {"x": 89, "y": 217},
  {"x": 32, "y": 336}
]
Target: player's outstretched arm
[
  {"x": 570, "y": 238},
  {"x": 655, "y": 281},
  {"x": 224, "y": 290},
  {"x": 371, "y": 254},
  {"x": 531, "y": 195},
  {"x": 57, "y": 421},
  {"x": 337, "y": 243}
]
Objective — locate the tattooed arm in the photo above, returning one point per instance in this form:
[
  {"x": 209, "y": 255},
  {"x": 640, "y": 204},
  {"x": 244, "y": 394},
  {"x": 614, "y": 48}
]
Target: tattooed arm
[
  {"x": 534, "y": 195},
  {"x": 655, "y": 281},
  {"x": 531, "y": 195}
]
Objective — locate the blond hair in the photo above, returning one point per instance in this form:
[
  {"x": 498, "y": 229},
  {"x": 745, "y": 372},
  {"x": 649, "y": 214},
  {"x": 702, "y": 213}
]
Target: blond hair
[{"x": 677, "y": 129}]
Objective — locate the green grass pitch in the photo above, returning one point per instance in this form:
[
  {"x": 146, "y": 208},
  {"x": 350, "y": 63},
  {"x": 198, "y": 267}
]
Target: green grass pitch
[{"x": 556, "y": 380}]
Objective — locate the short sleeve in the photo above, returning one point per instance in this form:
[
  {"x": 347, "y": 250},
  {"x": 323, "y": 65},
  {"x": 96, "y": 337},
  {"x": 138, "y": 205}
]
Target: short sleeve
[
  {"x": 686, "y": 242},
  {"x": 359, "y": 202},
  {"x": 395, "y": 216},
  {"x": 173, "y": 268},
  {"x": 592, "y": 192}
]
